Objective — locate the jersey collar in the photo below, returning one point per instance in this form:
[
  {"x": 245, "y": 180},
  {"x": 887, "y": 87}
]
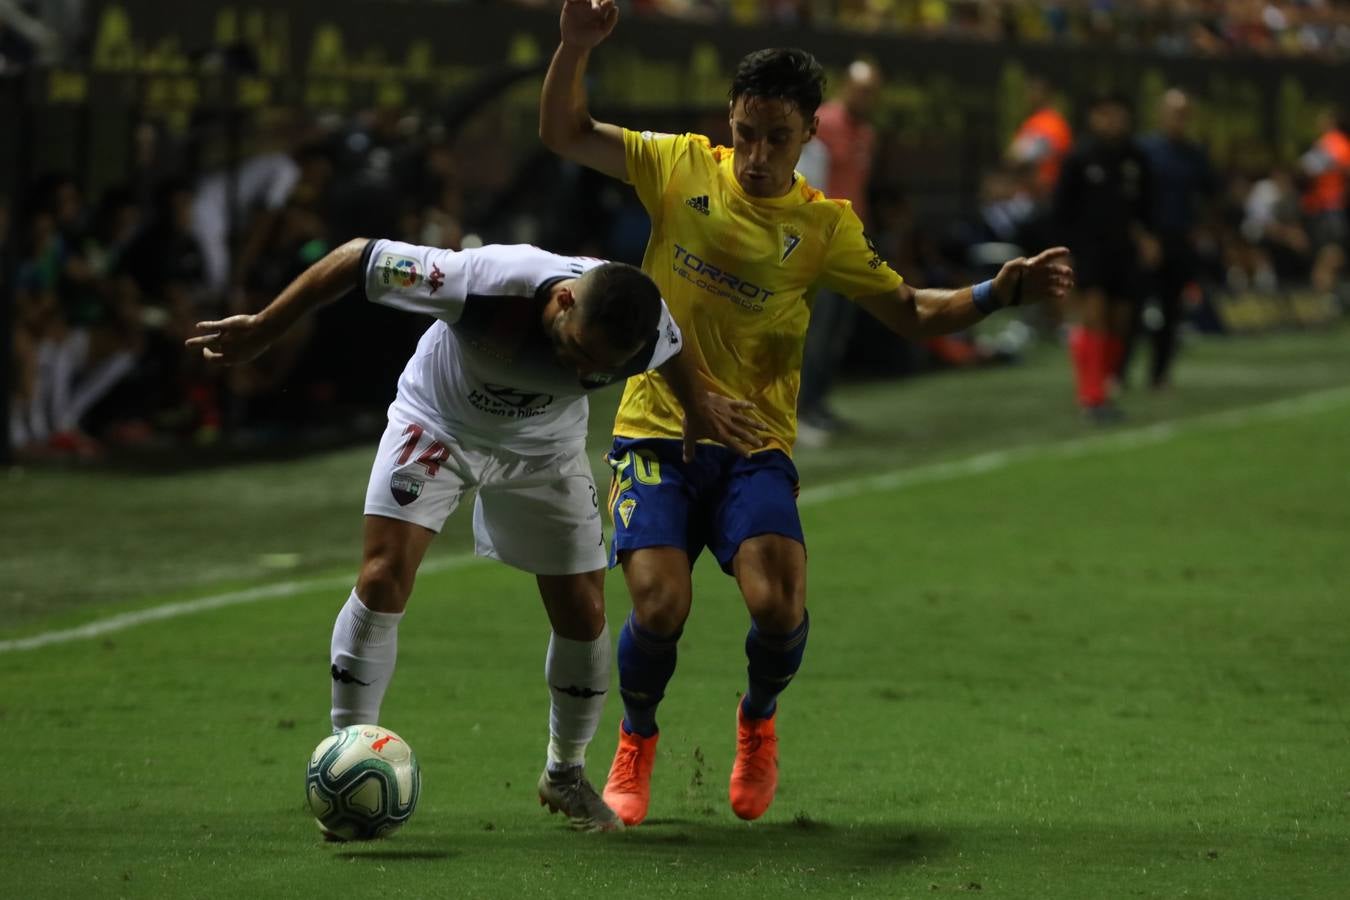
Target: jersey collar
[{"x": 795, "y": 196}]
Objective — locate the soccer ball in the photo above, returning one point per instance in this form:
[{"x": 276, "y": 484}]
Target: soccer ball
[{"x": 362, "y": 783}]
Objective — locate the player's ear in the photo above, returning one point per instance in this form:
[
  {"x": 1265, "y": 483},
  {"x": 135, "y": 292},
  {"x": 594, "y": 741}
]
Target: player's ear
[{"x": 812, "y": 127}]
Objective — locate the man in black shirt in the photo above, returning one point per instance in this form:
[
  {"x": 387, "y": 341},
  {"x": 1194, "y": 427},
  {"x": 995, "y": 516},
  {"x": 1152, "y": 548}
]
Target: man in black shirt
[
  {"x": 1103, "y": 207},
  {"x": 1183, "y": 182}
]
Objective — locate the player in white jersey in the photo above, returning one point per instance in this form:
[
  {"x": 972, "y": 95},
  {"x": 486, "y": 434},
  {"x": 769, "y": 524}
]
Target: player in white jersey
[{"x": 494, "y": 401}]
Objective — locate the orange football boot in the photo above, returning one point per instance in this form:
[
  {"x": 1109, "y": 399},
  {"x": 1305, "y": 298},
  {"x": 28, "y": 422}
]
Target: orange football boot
[
  {"x": 754, "y": 777},
  {"x": 628, "y": 789}
]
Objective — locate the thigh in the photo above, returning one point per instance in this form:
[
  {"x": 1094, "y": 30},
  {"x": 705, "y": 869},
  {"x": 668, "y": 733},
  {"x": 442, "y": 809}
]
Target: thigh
[
  {"x": 653, "y": 498},
  {"x": 759, "y": 497},
  {"x": 419, "y": 475},
  {"x": 540, "y": 515}
]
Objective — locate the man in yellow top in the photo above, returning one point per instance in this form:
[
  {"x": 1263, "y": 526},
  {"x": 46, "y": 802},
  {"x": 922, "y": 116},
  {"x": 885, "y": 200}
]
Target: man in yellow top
[{"x": 738, "y": 239}]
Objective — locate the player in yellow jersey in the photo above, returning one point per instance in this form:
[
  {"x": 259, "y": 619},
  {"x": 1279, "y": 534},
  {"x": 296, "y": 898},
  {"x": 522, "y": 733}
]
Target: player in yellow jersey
[{"x": 738, "y": 241}]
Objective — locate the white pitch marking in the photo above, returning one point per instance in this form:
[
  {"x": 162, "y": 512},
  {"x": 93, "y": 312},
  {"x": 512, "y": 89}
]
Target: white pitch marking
[
  {"x": 1146, "y": 435},
  {"x": 124, "y": 621},
  {"x": 982, "y": 463}
]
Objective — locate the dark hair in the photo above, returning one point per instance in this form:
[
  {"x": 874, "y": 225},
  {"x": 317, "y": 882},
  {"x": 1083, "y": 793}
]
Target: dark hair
[
  {"x": 781, "y": 73},
  {"x": 622, "y": 301}
]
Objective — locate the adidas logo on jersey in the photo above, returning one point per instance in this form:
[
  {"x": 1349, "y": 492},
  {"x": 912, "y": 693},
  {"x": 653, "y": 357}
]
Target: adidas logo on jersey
[{"x": 699, "y": 203}]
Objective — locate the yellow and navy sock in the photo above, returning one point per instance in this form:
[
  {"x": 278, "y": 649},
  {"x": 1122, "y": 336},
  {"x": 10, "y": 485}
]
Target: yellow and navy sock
[
  {"x": 773, "y": 660},
  {"x": 646, "y": 664}
]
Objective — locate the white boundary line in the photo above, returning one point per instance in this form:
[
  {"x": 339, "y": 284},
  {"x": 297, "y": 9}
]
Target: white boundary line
[
  {"x": 1125, "y": 439},
  {"x": 887, "y": 481},
  {"x": 123, "y": 621}
]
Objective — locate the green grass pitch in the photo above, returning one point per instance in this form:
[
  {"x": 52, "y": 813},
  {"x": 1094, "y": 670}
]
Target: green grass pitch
[{"x": 1101, "y": 665}]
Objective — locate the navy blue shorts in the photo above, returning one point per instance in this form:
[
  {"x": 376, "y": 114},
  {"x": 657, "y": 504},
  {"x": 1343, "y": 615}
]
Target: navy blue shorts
[{"x": 717, "y": 501}]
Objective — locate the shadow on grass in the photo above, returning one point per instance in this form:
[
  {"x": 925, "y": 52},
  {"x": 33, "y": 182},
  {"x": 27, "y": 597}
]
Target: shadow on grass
[
  {"x": 397, "y": 854},
  {"x": 803, "y": 843}
]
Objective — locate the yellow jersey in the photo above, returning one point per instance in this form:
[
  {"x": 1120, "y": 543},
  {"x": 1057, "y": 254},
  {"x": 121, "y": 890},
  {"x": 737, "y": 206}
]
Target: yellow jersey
[{"x": 737, "y": 273}]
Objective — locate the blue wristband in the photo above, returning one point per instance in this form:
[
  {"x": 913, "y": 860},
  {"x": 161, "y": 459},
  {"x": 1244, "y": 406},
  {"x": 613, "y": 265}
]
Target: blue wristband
[{"x": 983, "y": 295}]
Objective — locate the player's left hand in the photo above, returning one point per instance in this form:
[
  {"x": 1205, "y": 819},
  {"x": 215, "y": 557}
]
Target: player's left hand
[
  {"x": 724, "y": 420},
  {"x": 228, "y": 342},
  {"x": 1046, "y": 276}
]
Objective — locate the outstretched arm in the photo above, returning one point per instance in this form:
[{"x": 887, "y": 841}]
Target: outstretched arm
[
  {"x": 565, "y": 123},
  {"x": 240, "y": 339},
  {"x": 928, "y": 312}
]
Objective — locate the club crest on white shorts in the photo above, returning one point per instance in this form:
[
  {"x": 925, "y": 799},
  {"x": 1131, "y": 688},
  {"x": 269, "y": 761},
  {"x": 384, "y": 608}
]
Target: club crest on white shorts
[{"x": 405, "y": 488}]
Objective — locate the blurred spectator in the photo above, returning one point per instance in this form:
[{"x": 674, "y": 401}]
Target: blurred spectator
[
  {"x": 1276, "y": 246},
  {"x": 24, "y": 38},
  {"x": 260, "y": 183},
  {"x": 1043, "y": 139},
  {"x": 1327, "y": 168},
  {"x": 1015, "y": 209},
  {"x": 848, "y": 141},
  {"x": 169, "y": 391},
  {"x": 1197, "y": 27},
  {"x": 442, "y": 223},
  {"x": 125, "y": 278},
  {"x": 76, "y": 327},
  {"x": 1183, "y": 185},
  {"x": 1007, "y": 210}
]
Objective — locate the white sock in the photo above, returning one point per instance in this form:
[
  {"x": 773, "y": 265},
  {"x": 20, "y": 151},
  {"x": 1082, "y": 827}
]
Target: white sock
[
  {"x": 364, "y": 648},
  {"x": 94, "y": 386},
  {"x": 70, "y": 357},
  {"x": 578, "y": 678},
  {"x": 39, "y": 405}
]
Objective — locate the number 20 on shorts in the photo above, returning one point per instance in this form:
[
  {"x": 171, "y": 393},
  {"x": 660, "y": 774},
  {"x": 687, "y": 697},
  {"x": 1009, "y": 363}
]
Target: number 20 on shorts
[{"x": 640, "y": 464}]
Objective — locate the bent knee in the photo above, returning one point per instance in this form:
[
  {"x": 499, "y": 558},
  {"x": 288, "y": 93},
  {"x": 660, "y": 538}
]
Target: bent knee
[
  {"x": 775, "y": 597},
  {"x": 385, "y": 583},
  {"x": 776, "y": 611},
  {"x": 660, "y": 602},
  {"x": 575, "y": 604}
]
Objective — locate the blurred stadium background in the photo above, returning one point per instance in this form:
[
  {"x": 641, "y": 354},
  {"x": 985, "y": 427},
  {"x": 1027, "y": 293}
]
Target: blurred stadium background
[
  {"x": 160, "y": 168},
  {"x": 1178, "y": 611}
]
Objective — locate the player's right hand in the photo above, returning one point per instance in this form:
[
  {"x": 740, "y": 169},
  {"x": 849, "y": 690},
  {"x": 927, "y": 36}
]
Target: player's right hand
[
  {"x": 586, "y": 23},
  {"x": 728, "y": 422},
  {"x": 229, "y": 342}
]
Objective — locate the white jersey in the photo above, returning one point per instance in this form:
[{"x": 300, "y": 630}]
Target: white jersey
[{"x": 486, "y": 372}]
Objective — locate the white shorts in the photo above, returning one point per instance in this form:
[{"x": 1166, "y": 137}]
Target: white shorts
[{"x": 538, "y": 513}]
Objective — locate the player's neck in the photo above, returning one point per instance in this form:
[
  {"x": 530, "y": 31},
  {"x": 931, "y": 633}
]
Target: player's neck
[{"x": 776, "y": 193}]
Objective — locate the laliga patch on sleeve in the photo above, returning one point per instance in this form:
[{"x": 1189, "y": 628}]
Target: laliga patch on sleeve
[{"x": 397, "y": 271}]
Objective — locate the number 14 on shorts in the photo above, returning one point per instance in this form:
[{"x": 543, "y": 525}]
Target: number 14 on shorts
[{"x": 430, "y": 459}]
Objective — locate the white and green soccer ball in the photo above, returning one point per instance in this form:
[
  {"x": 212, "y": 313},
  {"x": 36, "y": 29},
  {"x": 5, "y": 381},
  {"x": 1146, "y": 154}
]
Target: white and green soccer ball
[{"x": 362, "y": 783}]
